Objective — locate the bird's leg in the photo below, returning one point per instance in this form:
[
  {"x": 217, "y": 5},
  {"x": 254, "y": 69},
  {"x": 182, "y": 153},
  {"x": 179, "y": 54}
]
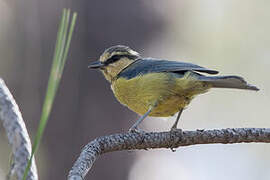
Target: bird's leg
[
  {"x": 134, "y": 127},
  {"x": 174, "y": 127},
  {"x": 177, "y": 120}
]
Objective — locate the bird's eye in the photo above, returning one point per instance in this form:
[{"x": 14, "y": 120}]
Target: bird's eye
[
  {"x": 113, "y": 59},
  {"x": 117, "y": 57}
]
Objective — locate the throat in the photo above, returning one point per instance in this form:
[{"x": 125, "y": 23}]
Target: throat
[{"x": 109, "y": 76}]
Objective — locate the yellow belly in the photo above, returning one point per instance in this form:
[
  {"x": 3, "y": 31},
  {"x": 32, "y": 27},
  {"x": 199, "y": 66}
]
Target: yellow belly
[{"x": 166, "y": 92}]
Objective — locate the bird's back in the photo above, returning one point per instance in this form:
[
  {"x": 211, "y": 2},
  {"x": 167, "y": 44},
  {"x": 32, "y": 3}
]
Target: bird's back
[{"x": 151, "y": 65}]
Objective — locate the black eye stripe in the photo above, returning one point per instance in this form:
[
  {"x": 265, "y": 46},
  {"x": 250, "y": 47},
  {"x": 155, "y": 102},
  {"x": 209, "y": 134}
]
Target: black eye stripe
[{"x": 115, "y": 58}]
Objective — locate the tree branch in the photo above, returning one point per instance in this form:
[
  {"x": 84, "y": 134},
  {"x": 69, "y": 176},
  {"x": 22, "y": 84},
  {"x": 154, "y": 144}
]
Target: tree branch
[
  {"x": 174, "y": 139},
  {"x": 17, "y": 134}
]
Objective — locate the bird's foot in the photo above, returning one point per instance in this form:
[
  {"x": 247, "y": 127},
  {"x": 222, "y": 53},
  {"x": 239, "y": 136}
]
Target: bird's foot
[
  {"x": 173, "y": 128},
  {"x": 136, "y": 130},
  {"x": 173, "y": 131},
  {"x": 139, "y": 132}
]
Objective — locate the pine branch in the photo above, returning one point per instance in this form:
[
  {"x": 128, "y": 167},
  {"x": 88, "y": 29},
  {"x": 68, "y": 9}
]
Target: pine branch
[
  {"x": 151, "y": 140},
  {"x": 16, "y": 131}
]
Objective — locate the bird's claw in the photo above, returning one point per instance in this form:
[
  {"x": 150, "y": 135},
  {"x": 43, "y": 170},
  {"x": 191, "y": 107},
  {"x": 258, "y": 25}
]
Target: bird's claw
[
  {"x": 136, "y": 130},
  {"x": 173, "y": 128},
  {"x": 173, "y": 131}
]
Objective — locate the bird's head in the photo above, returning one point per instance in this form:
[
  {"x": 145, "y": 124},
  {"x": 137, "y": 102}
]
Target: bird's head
[{"x": 113, "y": 60}]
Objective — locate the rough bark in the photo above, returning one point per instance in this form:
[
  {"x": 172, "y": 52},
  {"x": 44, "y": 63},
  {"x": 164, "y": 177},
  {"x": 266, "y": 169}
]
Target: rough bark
[
  {"x": 16, "y": 131},
  {"x": 151, "y": 140}
]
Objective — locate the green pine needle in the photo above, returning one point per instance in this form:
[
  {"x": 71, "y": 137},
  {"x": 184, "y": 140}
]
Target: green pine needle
[{"x": 60, "y": 55}]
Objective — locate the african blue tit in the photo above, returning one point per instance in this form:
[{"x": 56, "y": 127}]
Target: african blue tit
[{"x": 155, "y": 87}]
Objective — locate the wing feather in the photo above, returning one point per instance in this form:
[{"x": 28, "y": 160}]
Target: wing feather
[{"x": 150, "y": 65}]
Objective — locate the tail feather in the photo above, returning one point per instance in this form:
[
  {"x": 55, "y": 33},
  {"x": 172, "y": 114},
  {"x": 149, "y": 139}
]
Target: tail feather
[{"x": 236, "y": 82}]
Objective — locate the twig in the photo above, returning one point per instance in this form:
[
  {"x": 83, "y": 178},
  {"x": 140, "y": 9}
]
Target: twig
[
  {"x": 17, "y": 134},
  {"x": 174, "y": 139}
]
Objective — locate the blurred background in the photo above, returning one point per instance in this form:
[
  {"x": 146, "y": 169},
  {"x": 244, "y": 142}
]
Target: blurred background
[{"x": 226, "y": 35}]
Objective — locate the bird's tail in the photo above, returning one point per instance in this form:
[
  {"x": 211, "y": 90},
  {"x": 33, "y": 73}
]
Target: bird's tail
[{"x": 228, "y": 82}]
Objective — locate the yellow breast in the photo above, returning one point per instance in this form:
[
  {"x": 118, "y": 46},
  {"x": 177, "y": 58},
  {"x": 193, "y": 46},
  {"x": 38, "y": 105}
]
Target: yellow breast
[{"x": 165, "y": 91}]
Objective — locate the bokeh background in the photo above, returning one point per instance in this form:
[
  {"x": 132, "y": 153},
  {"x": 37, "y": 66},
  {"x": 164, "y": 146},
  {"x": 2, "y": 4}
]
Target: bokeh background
[{"x": 228, "y": 35}]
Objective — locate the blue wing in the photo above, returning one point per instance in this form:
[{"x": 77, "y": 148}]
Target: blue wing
[{"x": 150, "y": 65}]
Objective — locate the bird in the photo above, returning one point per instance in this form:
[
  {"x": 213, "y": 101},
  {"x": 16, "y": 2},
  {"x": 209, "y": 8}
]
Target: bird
[{"x": 158, "y": 87}]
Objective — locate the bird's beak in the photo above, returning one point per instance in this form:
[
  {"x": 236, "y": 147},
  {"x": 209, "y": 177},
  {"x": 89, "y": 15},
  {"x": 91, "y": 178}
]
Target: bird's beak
[{"x": 96, "y": 65}]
